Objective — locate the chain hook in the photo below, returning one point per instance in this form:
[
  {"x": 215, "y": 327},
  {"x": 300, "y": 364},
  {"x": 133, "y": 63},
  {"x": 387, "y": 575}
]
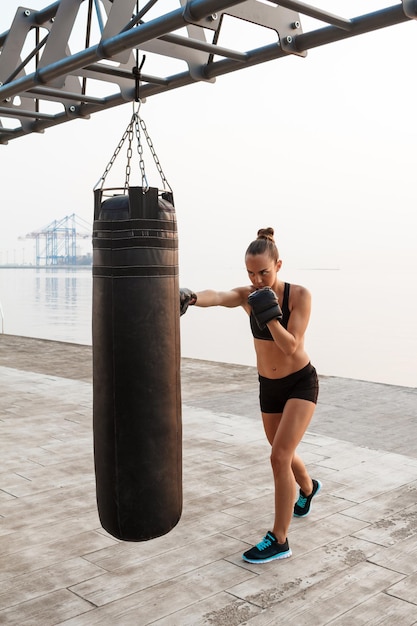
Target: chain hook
[
  {"x": 136, "y": 106},
  {"x": 136, "y": 70}
]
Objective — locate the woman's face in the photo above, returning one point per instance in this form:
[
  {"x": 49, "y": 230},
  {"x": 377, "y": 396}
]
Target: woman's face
[{"x": 262, "y": 270}]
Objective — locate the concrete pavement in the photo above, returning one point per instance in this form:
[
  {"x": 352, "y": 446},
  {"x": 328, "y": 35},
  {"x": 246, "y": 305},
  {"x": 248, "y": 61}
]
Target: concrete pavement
[{"x": 354, "y": 558}]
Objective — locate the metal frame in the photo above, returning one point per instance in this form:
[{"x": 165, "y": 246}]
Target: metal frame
[{"x": 34, "y": 76}]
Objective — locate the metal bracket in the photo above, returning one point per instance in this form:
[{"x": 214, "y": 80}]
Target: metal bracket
[
  {"x": 57, "y": 44},
  {"x": 285, "y": 22},
  {"x": 25, "y": 107},
  {"x": 118, "y": 16},
  {"x": 10, "y": 57}
]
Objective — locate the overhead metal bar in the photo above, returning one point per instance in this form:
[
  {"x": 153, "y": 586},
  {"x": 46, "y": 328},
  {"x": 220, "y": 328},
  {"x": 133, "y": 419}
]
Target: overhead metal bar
[
  {"x": 324, "y": 16},
  {"x": 43, "y": 83}
]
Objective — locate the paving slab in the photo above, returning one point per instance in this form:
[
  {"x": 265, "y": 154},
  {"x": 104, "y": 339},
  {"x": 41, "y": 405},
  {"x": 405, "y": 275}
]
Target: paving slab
[{"x": 353, "y": 558}]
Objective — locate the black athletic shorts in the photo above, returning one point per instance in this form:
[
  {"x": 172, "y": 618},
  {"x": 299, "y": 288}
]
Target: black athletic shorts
[{"x": 274, "y": 392}]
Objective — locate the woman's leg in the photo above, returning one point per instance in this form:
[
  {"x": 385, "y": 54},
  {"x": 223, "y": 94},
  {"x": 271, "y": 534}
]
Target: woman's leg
[
  {"x": 284, "y": 432},
  {"x": 301, "y": 475},
  {"x": 271, "y": 422}
]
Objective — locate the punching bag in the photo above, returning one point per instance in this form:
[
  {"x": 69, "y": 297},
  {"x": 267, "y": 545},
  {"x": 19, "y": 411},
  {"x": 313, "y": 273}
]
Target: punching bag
[{"x": 136, "y": 364}]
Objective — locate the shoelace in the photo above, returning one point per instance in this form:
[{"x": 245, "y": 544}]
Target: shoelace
[
  {"x": 302, "y": 501},
  {"x": 265, "y": 543}
]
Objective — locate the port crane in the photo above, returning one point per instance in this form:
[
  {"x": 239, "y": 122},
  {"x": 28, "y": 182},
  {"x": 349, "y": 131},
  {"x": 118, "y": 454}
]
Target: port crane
[{"x": 56, "y": 243}]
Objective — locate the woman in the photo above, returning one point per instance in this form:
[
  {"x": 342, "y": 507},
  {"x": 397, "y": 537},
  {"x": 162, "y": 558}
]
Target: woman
[{"x": 288, "y": 381}]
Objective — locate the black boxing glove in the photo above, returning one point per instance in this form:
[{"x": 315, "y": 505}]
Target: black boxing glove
[
  {"x": 187, "y": 298},
  {"x": 265, "y": 306}
]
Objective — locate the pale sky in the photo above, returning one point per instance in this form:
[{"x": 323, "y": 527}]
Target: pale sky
[{"x": 321, "y": 148}]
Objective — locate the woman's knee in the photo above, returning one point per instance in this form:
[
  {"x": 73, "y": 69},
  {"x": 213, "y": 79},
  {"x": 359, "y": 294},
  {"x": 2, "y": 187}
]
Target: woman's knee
[{"x": 281, "y": 460}]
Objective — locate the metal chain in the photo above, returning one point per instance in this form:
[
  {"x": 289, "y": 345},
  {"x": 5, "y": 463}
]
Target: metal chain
[
  {"x": 140, "y": 153},
  {"x": 114, "y": 157},
  {"x": 138, "y": 123},
  {"x": 129, "y": 154},
  {"x": 152, "y": 149}
]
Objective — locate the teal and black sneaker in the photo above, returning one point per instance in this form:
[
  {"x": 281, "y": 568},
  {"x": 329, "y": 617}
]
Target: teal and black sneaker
[
  {"x": 267, "y": 550},
  {"x": 303, "y": 505}
]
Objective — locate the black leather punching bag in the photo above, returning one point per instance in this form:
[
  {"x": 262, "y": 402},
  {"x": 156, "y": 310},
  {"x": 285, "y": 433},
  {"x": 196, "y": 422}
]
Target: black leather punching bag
[{"x": 136, "y": 364}]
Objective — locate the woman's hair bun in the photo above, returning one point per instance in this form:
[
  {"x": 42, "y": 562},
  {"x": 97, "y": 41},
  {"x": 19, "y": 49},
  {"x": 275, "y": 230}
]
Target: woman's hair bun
[{"x": 266, "y": 233}]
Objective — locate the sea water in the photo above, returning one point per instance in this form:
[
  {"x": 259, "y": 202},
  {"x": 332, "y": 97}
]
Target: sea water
[{"x": 363, "y": 324}]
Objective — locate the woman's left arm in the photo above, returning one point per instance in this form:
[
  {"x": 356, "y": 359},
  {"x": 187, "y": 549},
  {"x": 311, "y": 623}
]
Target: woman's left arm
[{"x": 289, "y": 340}]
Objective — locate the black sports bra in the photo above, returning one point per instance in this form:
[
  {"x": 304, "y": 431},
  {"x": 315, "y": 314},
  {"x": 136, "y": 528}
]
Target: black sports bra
[{"x": 265, "y": 333}]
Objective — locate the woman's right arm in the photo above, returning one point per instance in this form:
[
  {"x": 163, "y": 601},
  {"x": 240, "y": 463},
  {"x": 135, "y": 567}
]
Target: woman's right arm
[{"x": 233, "y": 298}]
